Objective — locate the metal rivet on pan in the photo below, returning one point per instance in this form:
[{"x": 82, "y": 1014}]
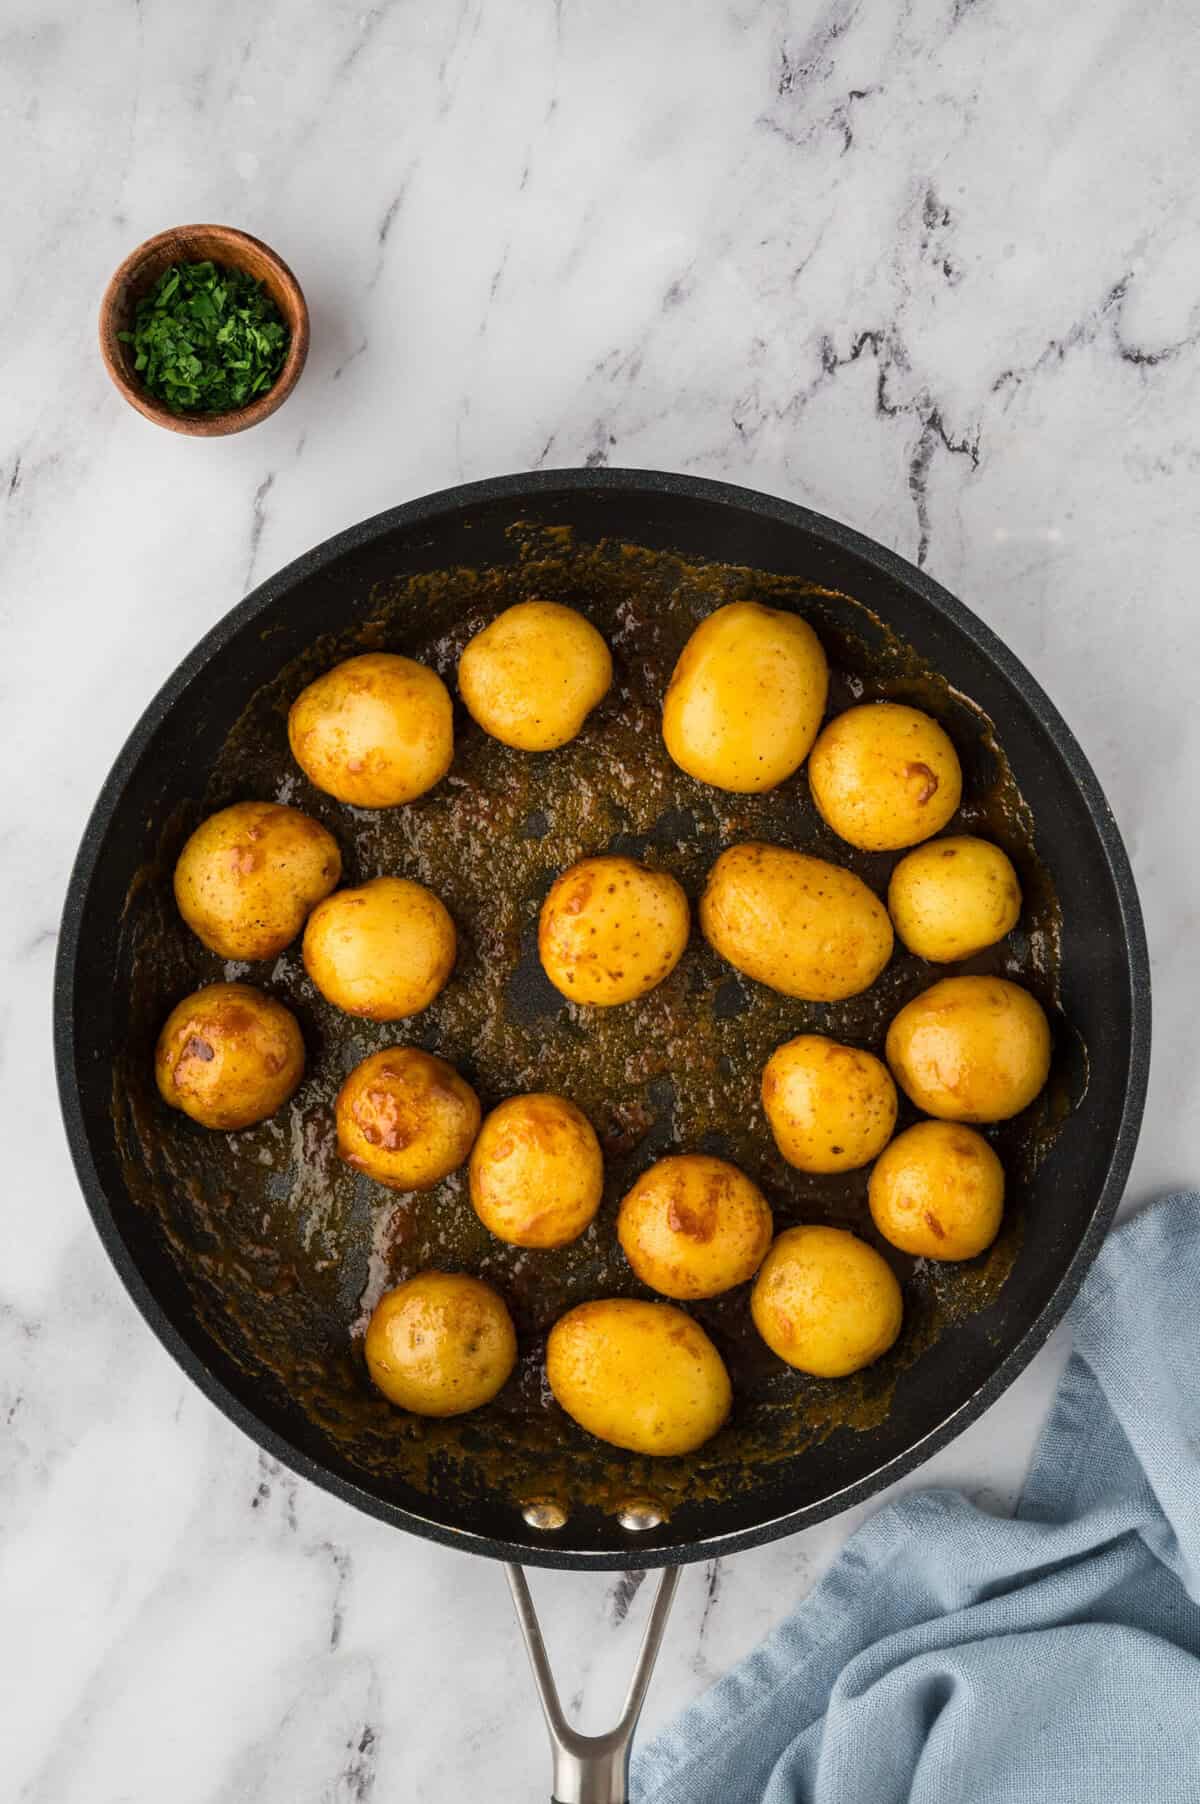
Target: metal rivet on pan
[
  {"x": 638, "y": 1517},
  {"x": 544, "y": 1515}
]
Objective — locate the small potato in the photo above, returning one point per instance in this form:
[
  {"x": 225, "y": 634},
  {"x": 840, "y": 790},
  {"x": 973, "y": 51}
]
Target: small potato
[
  {"x": 375, "y": 731},
  {"x": 971, "y": 1049},
  {"x": 383, "y": 950},
  {"x": 643, "y": 1376},
  {"x": 406, "y": 1118},
  {"x": 885, "y": 776},
  {"x": 693, "y": 1226},
  {"x": 611, "y": 930},
  {"x": 746, "y": 698},
  {"x": 229, "y": 1056},
  {"x": 441, "y": 1344},
  {"x": 831, "y": 1107},
  {"x": 951, "y": 898},
  {"x": 938, "y": 1191},
  {"x": 534, "y": 675},
  {"x": 801, "y": 926},
  {"x": 248, "y": 876},
  {"x": 826, "y": 1302},
  {"x": 537, "y": 1173}
]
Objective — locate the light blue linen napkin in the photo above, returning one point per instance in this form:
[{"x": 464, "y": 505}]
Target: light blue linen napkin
[{"x": 955, "y": 1657}]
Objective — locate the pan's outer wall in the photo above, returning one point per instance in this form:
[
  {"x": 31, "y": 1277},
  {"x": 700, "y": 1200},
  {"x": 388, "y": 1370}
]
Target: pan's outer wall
[{"x": 1106, "y": 991}]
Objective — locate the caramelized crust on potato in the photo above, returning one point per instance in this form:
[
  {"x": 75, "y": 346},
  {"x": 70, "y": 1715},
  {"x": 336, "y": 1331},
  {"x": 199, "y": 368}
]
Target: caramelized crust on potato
[
  {"x": 441, "y": 1344},
  {"x": 826, "y": 1302},
  {"x": 406, "y": 1118},
  {"x": 798, "y": 924},
  {"x": 643, "y": 1376},
  {"x": 375, "y": 731},
  {"x": 746, "y": 698},
  {"x": 831, "y": 1107},
  {"x": 229, "y": 1056},
  {"x": 952, "y": 897},
  {"x": 610, "y": 930},
  {"x": 534, "y": 675},
  {"x": 693, "y": 1226},
  {"x": 383, "y": 950},
  {"x": 884, "y": 776},
  {"x": 971, "y": 1049},
  {"x": 536, "y": 1171},
  {"x": 938, "y": 1191},
  {"x": 249, "y": 875}
]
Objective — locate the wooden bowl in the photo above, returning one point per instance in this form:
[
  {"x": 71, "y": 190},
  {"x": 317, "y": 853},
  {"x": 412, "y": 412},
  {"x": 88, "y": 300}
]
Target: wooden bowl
[{"x": 201, "y": 244}]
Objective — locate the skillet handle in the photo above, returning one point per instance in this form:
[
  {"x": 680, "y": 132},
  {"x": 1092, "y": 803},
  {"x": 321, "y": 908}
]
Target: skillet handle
[{"x": 591, "y": 1769}]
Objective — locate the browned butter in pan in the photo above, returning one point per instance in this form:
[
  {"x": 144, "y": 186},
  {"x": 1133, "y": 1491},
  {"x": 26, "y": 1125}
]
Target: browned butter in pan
[{"x": 285, "y": 1250}]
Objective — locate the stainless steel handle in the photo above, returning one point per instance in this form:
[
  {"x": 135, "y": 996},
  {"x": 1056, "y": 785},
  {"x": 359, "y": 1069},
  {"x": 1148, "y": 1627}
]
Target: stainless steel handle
[{"x": 591, "y": 1769}]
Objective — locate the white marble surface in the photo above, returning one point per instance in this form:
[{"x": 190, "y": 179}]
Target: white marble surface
[{"x": 933, "y": 269}]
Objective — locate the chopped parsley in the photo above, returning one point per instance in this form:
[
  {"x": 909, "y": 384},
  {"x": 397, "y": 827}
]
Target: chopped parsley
[{"x": 207, "y": 339}]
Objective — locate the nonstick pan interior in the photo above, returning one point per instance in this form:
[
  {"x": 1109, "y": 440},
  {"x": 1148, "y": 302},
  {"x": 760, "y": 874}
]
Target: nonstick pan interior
[{"x": 470, "y": 1492}]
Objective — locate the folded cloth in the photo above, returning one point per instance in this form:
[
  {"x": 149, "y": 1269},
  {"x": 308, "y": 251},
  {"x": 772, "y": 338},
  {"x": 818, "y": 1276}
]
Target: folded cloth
[{"x": 954, "y": 1656}]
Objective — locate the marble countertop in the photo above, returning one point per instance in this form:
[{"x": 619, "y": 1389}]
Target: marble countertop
[{"x": 934, "y": 270}]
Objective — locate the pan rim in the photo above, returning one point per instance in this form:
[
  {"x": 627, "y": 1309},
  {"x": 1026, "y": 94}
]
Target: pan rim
[{"x": 530, "y": 485}]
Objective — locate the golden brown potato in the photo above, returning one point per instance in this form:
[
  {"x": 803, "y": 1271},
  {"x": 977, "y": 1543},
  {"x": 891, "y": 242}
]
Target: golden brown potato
[
  {"x": 610, "y": 930},
  {"x": 746, "y": 697},
  {"x": 229, "y": 1056},
  {"x": 802, "y": 926},
  {"x": 375, "y": 731},
  {"x": 938, "y": 1191},
  {"x": 534, "y": 675},
  {"x": 971, "y": 1049},
  {"x": 951, "y": 898},
  {"x": 441, "y": 1344},
  {"x": 248, "y": 876},
  {"x": 885, "y": 776},
  {"x": 831, "y": 1107},
  {"x": 693, "y": 1226},
  {"x": 383, "y": 950},
  {"x": 826, "y": 1302},
  {"x": 643, "y": 1376},
  {"x": 536, "y": 1172},
  {"x": 406, "y": 1118}
]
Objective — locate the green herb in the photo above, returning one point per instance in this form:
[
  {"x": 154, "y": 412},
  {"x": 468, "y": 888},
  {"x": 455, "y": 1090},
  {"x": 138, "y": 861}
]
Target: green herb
[{"x": 207, "y": 339}]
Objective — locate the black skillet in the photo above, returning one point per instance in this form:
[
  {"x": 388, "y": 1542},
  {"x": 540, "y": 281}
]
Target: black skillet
[{"x": 1104, "y": 987}]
